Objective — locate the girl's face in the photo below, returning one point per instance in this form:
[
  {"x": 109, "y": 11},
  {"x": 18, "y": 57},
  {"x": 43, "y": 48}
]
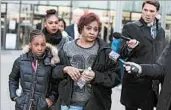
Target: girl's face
[
  {"x": 90, "y": 31},
  {"x": 38, "y": 45},
  {"x": 52, "y": 24},
  {"x": 61, "y": 26}
]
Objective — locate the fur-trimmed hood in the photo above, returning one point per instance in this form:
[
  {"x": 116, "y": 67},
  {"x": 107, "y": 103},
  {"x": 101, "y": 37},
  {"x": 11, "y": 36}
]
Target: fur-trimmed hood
[{"x": 54, "y": 51}]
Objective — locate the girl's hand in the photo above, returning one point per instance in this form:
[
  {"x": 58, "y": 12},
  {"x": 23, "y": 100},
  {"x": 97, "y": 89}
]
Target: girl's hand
[{"x": 49, "y": 102}]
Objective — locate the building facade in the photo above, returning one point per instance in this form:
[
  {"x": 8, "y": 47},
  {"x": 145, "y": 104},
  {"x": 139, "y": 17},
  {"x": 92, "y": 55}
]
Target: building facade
[{"x": 18, "y": 18}]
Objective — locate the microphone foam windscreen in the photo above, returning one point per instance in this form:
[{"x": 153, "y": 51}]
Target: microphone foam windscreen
[{"x": 116, "y": 35}]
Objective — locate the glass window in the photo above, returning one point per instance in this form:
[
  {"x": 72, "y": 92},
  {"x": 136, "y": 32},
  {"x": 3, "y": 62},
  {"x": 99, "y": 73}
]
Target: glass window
[
  {"x": 60, "y": 3},
  {"x": 135, "y": 16},
  {"x": 112, "y": 5},
  {"x": 12, "y": 1},
  {"x": 64, "y": 12},
  {"x": 127, "y": 5},
  {"x": 41, "y": 9},
  {"x": 14, "y": 14},
  {"x": 91, "y": 4},
  {"x": 137, "y": 6},
  {"x": 25, "y": 25},
  {"x": 126, "y": 17},
  {"x": 31, "y": 2},
  {"x": 168, "y": 5},
  {"x": 3, "y": 8}
]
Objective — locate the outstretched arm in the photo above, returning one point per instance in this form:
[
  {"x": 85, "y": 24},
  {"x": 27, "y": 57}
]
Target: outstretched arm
[{"x": 156, "y": 70}]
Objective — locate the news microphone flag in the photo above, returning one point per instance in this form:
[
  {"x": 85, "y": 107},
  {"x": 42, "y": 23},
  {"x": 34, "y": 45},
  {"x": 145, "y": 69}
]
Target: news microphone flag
[{"x": 114, "y": 56}]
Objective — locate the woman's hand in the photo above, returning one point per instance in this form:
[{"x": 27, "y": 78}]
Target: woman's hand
[
  {"x": 88, "y": 75},
  {"x": 73, "y": 72}
]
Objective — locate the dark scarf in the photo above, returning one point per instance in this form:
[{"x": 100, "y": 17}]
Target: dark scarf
[
  {"x": 53, "y": 39},
  {"x": 154, "y": 27}
]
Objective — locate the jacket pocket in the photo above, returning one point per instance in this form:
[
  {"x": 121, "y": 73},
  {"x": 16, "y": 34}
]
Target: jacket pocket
[
  {"x": 42, "y": 104},
  {"x": 20, "y": 101}
]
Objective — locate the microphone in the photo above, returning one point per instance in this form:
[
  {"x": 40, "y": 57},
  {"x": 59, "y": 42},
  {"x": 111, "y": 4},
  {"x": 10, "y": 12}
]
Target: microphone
[
  {"x": 117, "y": 35},
  {"x": 115, "y": 56}
]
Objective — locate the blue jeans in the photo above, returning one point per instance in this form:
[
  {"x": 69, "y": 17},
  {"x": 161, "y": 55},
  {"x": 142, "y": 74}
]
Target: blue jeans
[{"x": 71, "y": 108}]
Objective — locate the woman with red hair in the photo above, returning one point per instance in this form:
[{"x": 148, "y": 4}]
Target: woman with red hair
[{"x": 86, "y": 72}]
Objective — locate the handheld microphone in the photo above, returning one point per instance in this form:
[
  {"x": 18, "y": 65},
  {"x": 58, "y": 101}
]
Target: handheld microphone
[
  {"x": 117, "y": 35},
  {"x": 115, "y": 56}
]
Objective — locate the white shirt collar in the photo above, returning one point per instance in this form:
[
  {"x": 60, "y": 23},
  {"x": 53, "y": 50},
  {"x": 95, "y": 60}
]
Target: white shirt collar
[{"x": 76, "y": 33}]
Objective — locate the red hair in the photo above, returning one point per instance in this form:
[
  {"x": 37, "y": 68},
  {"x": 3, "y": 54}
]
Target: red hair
[{"x": 87, "y": 19}]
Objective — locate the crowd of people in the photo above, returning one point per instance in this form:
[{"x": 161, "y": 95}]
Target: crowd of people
[{"x": 69, "y": 68}]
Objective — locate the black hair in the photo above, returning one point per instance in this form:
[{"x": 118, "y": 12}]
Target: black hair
[
  {"x": 152, "y": 2},
  {"x": 50, "y": 12},
  {"x": 34, "y": 33},
  {"x": 61, "y": 19}
]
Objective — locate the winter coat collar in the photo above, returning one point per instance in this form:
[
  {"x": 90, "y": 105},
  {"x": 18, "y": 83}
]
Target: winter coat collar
[
  {"x": 50, "y": 56},
  {"x": 102, "y": 44}
]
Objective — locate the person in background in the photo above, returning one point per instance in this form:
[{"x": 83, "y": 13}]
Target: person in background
[
  {"x": 62, "y": 27},
  {"x": 51, "y": 30},
  {"x": 142, "y": 92},
  {"x": 62, "y": 24},
  {"x": 33, "y": 70},
  {"x": 72, "y": 29},
  {"x": 86, "y": 72}
]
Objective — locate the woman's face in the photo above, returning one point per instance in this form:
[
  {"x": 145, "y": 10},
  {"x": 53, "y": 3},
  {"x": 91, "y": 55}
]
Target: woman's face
[
  {"x": 61, "y": 25},
  {"x": 52, "y": 24},
  {"x": 90, "y": 31},
  {"x": 38, "y": 45}
]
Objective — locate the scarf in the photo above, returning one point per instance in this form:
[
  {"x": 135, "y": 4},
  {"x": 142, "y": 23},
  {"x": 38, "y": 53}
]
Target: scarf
[
  {"x": 153, "y": 27},
  {"x": 53, "y": 39}
]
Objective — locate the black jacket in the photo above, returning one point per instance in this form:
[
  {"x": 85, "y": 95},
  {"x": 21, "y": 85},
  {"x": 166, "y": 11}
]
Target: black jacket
[
  {"x": 138, "y": 92},
  {"x": 36, "y": 86},
  {"x": 161, "y": 70},
  {"x": 105, "y": 79},
  {"x": 70, "y": 30}
]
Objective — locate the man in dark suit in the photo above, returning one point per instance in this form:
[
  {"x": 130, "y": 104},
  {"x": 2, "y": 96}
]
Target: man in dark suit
[{"x": 72, "y": 29}]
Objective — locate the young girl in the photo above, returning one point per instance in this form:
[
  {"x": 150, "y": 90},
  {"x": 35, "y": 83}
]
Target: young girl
[{"x": 33, "y": 70}]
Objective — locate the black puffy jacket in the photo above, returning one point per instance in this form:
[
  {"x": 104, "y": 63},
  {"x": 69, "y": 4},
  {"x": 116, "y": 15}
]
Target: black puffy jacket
[{"x": 36, "y": 85}]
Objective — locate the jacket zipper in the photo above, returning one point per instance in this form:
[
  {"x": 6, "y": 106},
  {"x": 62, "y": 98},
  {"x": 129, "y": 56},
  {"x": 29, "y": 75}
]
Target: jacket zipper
[{"x": 35, "y": 66}]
